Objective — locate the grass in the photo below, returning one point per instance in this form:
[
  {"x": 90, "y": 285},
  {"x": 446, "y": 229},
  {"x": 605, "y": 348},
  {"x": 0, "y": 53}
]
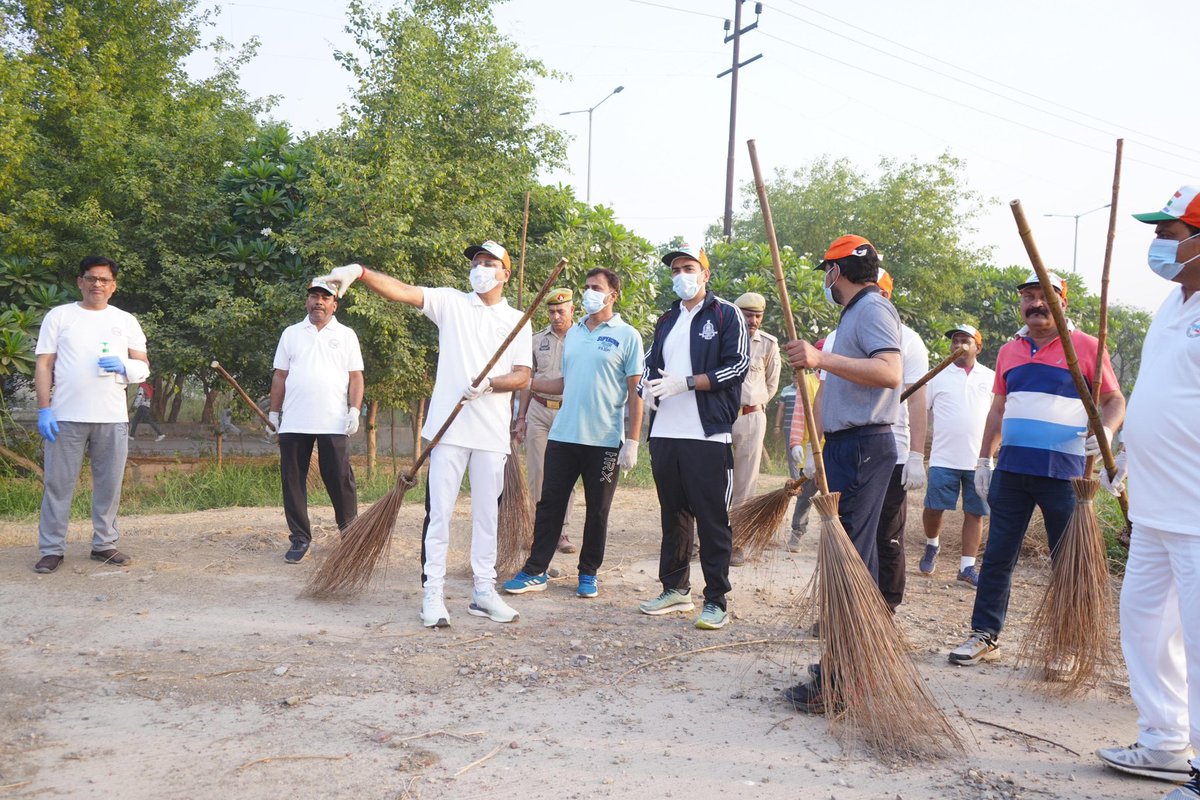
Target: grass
[{"x": 179, "y": 492}]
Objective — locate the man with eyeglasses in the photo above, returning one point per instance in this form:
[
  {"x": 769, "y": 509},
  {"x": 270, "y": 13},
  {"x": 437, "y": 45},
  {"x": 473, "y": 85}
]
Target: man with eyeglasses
[{"x": 87, "y": 353}]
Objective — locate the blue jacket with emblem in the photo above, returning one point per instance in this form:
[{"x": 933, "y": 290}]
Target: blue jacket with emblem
[{"x": 720, "y": 349}]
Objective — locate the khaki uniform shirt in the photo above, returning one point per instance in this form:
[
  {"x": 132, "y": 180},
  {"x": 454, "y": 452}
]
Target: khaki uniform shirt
[
  {"x": 547, "y": 359},
  {"x": 762, "y": 380}
]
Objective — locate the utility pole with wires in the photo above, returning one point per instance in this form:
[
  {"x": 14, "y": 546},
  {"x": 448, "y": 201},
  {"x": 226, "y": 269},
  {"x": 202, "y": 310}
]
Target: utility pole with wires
[{"x": 736, "y": 38}]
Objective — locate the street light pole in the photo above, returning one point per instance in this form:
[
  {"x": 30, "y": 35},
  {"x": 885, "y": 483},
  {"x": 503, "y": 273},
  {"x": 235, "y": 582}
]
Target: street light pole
[
  {"x": 1075, "y": 250},
  {"x": 589, "y": 111}
]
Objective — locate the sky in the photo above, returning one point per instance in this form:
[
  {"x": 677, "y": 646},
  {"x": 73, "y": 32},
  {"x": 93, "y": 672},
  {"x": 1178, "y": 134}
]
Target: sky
[{"x": 1031, "y": 95}]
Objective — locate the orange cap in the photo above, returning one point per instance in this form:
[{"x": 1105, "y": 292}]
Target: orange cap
[
  {"x": 885, "y": 282},
  {"x": 848, "y": 245}
]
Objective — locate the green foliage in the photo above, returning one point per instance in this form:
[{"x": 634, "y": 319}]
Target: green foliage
[{"x": 31, "y": 290}]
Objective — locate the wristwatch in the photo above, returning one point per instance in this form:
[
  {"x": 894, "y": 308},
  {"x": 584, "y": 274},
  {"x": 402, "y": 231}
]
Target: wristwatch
[{"x": 691, "y": 383}]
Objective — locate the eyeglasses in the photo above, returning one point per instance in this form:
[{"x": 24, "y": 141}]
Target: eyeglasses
[{"x": 92, "y": 280}]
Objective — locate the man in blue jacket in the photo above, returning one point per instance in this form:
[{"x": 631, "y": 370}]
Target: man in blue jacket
[{"x": 692, "y": 387}]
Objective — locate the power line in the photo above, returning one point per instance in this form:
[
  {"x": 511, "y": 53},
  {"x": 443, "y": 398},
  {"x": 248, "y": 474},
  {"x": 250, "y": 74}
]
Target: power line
[
  {"x": 952, "y": 65},
  {"x": 674, "y": 8}
]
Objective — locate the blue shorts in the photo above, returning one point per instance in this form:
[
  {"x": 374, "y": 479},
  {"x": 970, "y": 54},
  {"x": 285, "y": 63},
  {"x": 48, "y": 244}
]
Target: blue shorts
[{"x": 941, "y": 492}]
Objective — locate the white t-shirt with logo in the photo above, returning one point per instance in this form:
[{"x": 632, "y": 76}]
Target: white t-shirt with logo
[
  {"x": 959, "y": 402},
  {"x": 678, "y": 416},
  {"x": 78, "y": 337},
  {"x": 1161, "y": 435},
  {"x": 469, "y": 333},
  {"x": 317, "y": 388}
]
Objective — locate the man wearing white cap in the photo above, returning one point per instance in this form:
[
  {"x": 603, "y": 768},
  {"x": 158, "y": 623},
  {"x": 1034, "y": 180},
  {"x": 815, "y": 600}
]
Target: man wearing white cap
[
  {"x": 1160, "y": 596},
  {"x": 316, "y": 394},
  {"x": 958, "y": 398},
  {"x": 471, "y": 327},
  {"x": 762, "y": 381},
  {"x": 1038, "y": 421}
]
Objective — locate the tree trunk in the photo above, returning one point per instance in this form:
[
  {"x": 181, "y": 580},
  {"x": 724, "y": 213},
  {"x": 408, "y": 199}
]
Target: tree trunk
[
  {"x": 418, "y": 422},
  {"x": 210, "y": 401},
  {"x": 176, "y": 398},
  {"x": 372, "y": 426}
]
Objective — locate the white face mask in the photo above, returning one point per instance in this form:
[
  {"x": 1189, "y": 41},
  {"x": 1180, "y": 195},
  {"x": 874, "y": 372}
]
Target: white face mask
[
  {"x": 686, "y": 285},
  {"x": 829, "y": 286},
  {"x": 483, "y": 279},
  {"x": 1163, "y": 257},
  {"x": 593, "y": 301}
]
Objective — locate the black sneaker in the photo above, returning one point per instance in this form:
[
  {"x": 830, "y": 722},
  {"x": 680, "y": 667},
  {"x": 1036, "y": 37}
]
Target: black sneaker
[
  {"x": 47, "y": 564},
  {"x": 297, "y": 552},
  {"x": 806, "y": 697}
]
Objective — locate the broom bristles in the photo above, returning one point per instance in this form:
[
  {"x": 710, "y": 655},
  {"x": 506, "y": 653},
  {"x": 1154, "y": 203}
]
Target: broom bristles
[
  {"x": 514, "y": 529},
  {"x": 365, "y": 542},
  {"x": 872, "y": 688},
  {"x": 1069, "y": 641},
  {"x": 755, "y": 522}
]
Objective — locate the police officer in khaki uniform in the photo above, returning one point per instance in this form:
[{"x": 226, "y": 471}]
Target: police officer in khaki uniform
[
  {"x": 536, "y": 411},
  {"x": 760, "y": 386}
]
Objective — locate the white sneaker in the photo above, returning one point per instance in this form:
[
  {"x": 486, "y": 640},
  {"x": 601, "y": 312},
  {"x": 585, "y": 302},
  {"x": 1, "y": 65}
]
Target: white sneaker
[
  {"x": 433, "y": 611},
  {"x": 488, "y": 604},
  {"x": 1165, "y": 765},
  {"x": 160, "y": 437}
]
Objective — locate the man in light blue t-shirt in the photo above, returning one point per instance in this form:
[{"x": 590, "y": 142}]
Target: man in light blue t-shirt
[{"x": 602, "y": 364}]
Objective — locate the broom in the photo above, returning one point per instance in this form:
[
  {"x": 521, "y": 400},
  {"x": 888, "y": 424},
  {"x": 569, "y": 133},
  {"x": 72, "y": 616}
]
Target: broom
[
  {"x": 314, "y": 469},
  {"x": 933, "y": 373},
  {"x": 349, "y": 568},
  {"x": 514, "y": 528},
  {"x": 1068, "y": 641},
  {"x": 868, "y": 678}
]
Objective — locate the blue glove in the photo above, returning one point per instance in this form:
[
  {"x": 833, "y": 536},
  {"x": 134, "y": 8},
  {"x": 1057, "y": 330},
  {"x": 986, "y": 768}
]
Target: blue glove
[
  {"x": 112, "y": 364},
  {"x": 47, "y": 424}
]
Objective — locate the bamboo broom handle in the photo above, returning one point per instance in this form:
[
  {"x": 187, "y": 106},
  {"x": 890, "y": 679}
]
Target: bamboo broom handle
[
  {"x": 928, "y": 376},
  {"x": 242, "y": 393},
  {"x": 1102, "y": 331},
  {"x": 521, "y": 263},
  {"x": 1064, "y": 335},
  {"x": 789, "y": 323},
  {"x": 409, "y": 477}
]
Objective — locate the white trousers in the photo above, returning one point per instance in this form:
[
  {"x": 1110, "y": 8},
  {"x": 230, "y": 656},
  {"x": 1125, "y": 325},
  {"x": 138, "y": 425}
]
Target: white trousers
[
  {"x": 447, "y": 463},
  {"x": 1160, "y": 636}
]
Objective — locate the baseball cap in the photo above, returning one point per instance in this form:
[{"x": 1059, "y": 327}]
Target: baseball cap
[
  {"x": 967, "y": 329},
  {"x": 318, "y": 283},
  {"x": 885, "y": 281},
  {"x": 848, "y": 245},
  {"x": 1057, "y": 282},
  {"x": 557, "y": 297},
  {"x": 1184, "y": 206},
  {"x": 689, "y": 251},
  {"x": 751, "y": 301},
  {"x": 492, "y": 248}
]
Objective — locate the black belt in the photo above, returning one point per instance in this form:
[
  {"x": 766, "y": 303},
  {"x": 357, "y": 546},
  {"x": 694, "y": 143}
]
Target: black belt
[{"x": 860, "y": 430}]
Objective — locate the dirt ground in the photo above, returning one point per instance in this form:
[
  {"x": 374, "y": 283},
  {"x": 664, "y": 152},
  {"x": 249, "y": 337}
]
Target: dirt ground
[{"x": 198, "y": 673}]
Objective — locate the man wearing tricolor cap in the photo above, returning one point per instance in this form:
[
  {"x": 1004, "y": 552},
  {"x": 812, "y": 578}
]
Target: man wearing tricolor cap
[
  {"x": 762, "y": 381},
  {"x": 958, "y": 399},
  {"x": 860, "y": 403},
  {"x": 316, "y": 394},
  {"x": 1040, "y": 425},
  {"x": 1160, "y": 596},
  {"x": 536, "y": 410},
  {"x": 471, "y": 327}
]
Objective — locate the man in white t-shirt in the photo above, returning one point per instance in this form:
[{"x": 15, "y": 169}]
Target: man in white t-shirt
[
  {"x": 959, "y": 398},
  {"x": 1160, "y": 596},
  {"x": 87, "y": 353},
  {"x": 316, "y": 397},
  {"x": 471, "y": 327}
]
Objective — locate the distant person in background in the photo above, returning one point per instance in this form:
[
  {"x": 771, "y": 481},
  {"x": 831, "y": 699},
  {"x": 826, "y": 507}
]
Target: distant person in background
[
  {"x": 87, "y": 353},
  {"x": 316, "y": 394},
  {"x": 798, "y": 454},
  {"x": 142, "y": 412}
]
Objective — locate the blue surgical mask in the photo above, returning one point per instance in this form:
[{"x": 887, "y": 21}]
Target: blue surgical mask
[
  {"x": 686, "y": 285},
  {"x": 593, "y": 301},
  {"x": 1163, "y": 257},
  {"x": 829, "y": 286}
]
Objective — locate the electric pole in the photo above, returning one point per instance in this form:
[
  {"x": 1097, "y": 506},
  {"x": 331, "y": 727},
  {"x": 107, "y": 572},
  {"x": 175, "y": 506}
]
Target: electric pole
[{"x": 736, "y": 38}]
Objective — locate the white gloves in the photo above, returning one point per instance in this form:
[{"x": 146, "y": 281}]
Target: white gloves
[
  {"x": 352, "y": 421},
  {"x": 344, "y": 276},
  {"x": 913, "y": 474},
  {"x": 273, "y": 417},
  {"x": 474, "y": 392},
  {"x": 810, "y": 463},
  {"x": 649, "y": 401},
  {"x": 983, "y": 477},
  {"x": 1116, "y": 486},
  {"x": 1091, "y": 447},
  {"x": 797, "y": 452},
  {"x": 627, "y": 458},
  {"x": 668, "y": 386}
]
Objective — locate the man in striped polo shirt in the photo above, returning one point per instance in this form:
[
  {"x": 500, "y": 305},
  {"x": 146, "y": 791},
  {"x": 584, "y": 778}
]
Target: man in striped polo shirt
[{"x": 1039, "y": 422}]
